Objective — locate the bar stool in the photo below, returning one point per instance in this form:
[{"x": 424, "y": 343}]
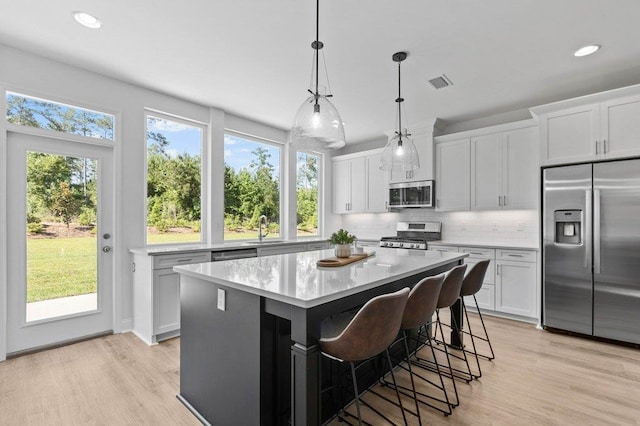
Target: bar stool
[
  {"x": 368, "y": 334},
  {"x": 448, "y": 296},
  {"x": 471, "y": 284},
  {"x": 418, "y": 313}
]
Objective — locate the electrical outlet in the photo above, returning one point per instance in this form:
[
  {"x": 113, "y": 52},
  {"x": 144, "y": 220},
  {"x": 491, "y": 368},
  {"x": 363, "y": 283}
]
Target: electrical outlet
[
  {"x": 520, "y": 226},
  {"x": 222, "y": 302},
  {"x": 494, "y": 227}
]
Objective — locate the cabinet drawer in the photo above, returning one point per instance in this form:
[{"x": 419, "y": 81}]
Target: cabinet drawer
[
  {"x": 516, "y": 255},
  {"x": 318, "y": 246},
  {"x": 479, "y": 253},
  {"x": 269, "y": 251},
  {"x": 170, "y": 260},
  {"x": 489, "y": 276},
  {"x": 448, "y": 249}
]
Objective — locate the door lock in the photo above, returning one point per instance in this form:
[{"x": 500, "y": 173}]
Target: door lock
[{"x": 106, "y": 236}]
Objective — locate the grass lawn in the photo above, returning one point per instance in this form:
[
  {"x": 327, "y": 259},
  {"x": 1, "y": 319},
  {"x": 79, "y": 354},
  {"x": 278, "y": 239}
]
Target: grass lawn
[{"x": 60, "y": 267}]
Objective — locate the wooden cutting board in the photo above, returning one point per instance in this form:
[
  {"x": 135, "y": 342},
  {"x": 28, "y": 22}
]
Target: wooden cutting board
[{"x": 341, "y": 261}]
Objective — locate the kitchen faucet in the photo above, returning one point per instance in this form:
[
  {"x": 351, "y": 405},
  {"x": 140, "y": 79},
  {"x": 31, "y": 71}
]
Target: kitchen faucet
[{"x": 262, "y": 219}]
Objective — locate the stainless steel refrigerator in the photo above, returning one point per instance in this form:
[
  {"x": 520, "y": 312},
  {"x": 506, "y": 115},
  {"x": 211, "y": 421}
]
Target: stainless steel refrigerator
[{"x": 591, "y": 249}]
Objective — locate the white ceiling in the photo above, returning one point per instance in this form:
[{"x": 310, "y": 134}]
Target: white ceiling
[{"x": 253, "y": 58}]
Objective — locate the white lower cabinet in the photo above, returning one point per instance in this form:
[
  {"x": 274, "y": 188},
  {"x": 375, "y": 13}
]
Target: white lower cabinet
[
  {"x": 156, "y": 294},
  {"x": 510, "y": 284},
  {"x": 516, "y": 289}
]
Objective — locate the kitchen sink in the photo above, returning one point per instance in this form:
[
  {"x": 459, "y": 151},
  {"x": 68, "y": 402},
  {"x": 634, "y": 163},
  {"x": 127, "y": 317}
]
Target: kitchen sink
[{"x": 262, "y": 243}]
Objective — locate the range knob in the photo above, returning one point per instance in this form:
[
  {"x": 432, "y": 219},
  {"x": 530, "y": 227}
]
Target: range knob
[
  {"x": 401, "y": 245},
  {"x": 414, "y": 246}
]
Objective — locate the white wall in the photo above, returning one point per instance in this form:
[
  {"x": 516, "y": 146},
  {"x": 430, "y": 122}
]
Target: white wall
[{"x": 33, "y": 75}]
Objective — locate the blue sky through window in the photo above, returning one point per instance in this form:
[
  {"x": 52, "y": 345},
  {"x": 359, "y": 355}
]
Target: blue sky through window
[
  {"x": 238, "y": 153},
  {"x": 182, "y": 138}
]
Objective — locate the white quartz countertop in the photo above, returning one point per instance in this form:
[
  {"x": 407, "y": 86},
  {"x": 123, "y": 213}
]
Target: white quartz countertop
[
  {"x": 296, "y": 279},
  {"x": 229, "y": 245},
  {"x": 500, "y": 245}
]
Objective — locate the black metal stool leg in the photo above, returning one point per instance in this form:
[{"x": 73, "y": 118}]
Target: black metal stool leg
[
  {"x": 473, "y": 341},
  {"x": 356, "y": 393},
  {"x": 485, "y": 332},
  {"x": 413, "y": 385}
]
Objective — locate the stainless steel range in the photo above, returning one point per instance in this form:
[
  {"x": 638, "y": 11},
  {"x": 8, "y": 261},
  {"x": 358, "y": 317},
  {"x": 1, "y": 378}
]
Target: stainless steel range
[{"x": 413, "y": 235}]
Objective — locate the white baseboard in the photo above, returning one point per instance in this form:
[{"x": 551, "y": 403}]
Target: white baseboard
[{"x": 126, "y": 325}]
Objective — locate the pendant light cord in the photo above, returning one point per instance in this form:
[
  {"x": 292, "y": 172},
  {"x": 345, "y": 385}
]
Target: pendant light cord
[
  {"x": 399, "y": 101},
  {"x": 317, "y": 47}
]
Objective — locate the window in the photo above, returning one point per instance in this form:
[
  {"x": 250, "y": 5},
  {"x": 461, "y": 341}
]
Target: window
[
  {"x": 174, "y": 176},
  {"x": 42, "y": 114},
  {"x": 251, "y": 187},
  {"x": 307, "y": 194}
]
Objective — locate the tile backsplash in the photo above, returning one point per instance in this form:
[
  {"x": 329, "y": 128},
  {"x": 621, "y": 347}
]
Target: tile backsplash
[{"x": 518, "y": 227}]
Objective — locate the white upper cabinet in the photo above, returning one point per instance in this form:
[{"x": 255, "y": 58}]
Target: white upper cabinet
[
  {"x": 571, "y": 132},
  {"x": 452, "y": 175},
  {"x": 486, "y": 172},
  {"x": 359, "y": 186},
  {"x": 520, "y": 169},
  {"x": 620, "y": 127},
  {"x": 571, "y": 135},
  {"x": 424, "y": 146},
  {"x": 504, "y": 170},
  {"x": 377, "y": 185}
]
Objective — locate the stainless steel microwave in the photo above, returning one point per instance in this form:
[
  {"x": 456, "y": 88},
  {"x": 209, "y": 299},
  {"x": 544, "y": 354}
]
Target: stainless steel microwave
[{"x": 411, "y": 194}]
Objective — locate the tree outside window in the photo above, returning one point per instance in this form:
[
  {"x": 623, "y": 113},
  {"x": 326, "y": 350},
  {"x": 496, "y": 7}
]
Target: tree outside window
[{"x": 307, "y": 194}]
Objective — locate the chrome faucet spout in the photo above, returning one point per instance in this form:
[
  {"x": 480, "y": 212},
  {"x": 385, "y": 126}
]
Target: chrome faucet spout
[{"x": 262, "y": 220}]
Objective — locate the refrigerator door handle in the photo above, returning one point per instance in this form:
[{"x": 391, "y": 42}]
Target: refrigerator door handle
[
  {"x": 596, "y": 231},
  {"x": 587, "y": 230}
]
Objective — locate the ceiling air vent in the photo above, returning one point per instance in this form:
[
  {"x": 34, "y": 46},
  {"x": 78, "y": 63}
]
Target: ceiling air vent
[{"x": 440, "y": 82}]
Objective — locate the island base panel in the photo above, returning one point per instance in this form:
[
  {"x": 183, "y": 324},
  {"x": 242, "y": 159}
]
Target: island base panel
[{"x": 220, "y": 362}]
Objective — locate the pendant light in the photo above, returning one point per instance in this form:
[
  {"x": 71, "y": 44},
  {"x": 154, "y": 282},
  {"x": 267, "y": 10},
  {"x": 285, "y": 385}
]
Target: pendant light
[
  {"x": 317, "y": 125},
  {"x": 400, "y": 153}
]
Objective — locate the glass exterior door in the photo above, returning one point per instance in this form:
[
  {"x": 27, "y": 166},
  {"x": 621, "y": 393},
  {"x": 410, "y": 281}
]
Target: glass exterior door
[{"x": 60, "y": 203}]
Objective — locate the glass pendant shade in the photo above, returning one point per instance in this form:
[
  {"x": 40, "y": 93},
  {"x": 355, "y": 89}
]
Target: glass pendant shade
[
  {"x": 317, "y": 127},
  {"x": 400, "y": 154}
]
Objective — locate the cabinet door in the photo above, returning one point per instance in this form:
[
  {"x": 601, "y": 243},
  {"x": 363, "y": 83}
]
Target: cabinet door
[
  {"x": 452, "y": 175},
  {"x": 486, "y": 172},
  {"x": 516, "y": 288},
  {"x": 377, "y": 185},
  {"x": 341, "y": 186},
  {"x": 570, "y": 135},
  {"x": 521, "y": 169},
  {"x": 358, "y": 186},
  {"x": 166, "y": 301},
  {"x": 485, "y": 297},
  {"x": 620, "y": 127}
]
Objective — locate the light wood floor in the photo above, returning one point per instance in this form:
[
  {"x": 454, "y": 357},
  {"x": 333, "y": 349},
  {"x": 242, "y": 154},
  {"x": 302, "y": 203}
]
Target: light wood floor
[{"x": 537, "y": 378}]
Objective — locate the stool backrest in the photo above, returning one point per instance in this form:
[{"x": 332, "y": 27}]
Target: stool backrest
[
  {"x": 371, "y": 331},
  {"x": 473, "y": 280},
  {"x": 422, "y": 302},
  {"x": 451, "y": 286}
]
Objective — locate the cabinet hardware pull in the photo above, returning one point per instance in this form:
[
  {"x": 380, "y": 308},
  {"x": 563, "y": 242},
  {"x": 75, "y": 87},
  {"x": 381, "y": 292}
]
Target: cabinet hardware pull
[
  {"x": 185, "y": 260},
  {"x": 596, "y": 147},
  {"x": 475, "y": 252},
  {"x": 515, "y": 255},
  {"x": 504, "y": 200},
  {"x": 604, "y": 146},
  {"x": 497, "y": 269},
  {"x": 499, "y": 200}
]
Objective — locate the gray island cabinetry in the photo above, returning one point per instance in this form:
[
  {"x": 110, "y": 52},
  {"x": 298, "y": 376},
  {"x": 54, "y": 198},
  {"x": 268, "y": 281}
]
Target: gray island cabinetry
[{"x": 249, "y": 328}]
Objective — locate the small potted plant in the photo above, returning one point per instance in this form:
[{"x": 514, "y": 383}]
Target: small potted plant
[{"x": 342, "y": 240}]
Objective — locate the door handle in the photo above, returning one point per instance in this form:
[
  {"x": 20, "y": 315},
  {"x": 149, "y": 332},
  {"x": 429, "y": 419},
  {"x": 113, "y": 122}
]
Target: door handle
[
  {"x": 586, "y": 226},
  {"x": 596, "y": 231},
  {"x": 106, "y": 249}
]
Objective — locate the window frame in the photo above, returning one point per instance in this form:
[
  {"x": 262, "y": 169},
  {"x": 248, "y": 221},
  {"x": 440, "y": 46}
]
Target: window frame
[
  {"x": 204, "y": 175},
  {"x": 321, "y": 163},
  {"x": 54, "y": 134},
  {"x": 281, "y": 198}
]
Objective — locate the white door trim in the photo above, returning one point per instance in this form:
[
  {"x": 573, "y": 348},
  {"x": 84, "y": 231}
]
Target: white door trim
[{"x": 31, "y": 334}]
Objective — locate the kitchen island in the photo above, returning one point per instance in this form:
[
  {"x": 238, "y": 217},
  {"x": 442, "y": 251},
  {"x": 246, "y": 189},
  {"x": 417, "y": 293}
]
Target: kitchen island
[{"x": 249, "y": 352}]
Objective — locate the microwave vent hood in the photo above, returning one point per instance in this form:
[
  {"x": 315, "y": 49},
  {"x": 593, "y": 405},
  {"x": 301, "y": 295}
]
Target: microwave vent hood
[{"x": 406, "y": 195}]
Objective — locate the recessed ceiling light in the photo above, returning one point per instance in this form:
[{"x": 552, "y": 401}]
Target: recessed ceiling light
[
  {"x": 87, "y": 19},
  {"x": 586, "y": 50}
]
